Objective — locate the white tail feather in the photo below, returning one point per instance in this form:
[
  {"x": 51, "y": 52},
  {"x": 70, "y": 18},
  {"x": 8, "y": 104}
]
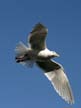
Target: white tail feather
[{"x": 21, "y": 49}]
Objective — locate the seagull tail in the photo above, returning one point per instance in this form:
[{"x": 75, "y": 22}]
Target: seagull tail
[{"x": 21, "y": 49}]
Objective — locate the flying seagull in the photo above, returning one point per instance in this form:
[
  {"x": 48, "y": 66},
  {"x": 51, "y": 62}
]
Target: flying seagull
[{"x": 38, "y": 53}]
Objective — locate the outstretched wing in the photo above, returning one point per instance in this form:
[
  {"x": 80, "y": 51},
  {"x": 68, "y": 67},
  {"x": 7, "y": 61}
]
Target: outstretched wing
[
  {"x": 37, "y": 37},
  {"x": 55, "y": 73}
]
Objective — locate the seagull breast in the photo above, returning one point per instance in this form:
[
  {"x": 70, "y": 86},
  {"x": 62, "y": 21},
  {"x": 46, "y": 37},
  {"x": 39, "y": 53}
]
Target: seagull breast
[{"x": 46, "y": 54}]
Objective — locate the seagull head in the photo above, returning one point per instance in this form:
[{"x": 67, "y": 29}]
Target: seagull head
[{"x": 55, "y": 54}]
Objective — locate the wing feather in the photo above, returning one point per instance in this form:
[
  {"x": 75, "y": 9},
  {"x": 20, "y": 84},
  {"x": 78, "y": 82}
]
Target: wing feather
[
  {"x": 61, "y": 84},
  {"x": 58, "y": 79},
  {"x": 37, "y": 37}
]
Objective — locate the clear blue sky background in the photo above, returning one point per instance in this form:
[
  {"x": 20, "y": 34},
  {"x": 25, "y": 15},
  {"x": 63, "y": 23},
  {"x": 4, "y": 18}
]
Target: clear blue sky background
[{"x": 22, "y": 87}]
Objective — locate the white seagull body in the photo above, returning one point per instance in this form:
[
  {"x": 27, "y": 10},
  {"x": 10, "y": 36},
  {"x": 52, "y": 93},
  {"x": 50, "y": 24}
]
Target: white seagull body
[{"x": 38, "y": 53}]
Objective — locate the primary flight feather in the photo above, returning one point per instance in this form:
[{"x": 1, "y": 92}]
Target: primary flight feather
[{"x": 38, "y": 53}]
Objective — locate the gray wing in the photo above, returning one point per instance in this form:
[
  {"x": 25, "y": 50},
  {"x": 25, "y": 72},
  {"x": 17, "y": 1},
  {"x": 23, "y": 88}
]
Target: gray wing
[
  {"x": 37, "y": 37},
  {"x": 55, "y": 73}
]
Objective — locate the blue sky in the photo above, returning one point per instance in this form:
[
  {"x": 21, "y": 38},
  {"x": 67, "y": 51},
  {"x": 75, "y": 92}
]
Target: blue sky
[{"x": 22, "y": 87}]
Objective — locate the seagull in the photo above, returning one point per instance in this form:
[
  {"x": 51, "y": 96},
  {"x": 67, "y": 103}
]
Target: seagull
[{"x": 36, "y": 52}]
